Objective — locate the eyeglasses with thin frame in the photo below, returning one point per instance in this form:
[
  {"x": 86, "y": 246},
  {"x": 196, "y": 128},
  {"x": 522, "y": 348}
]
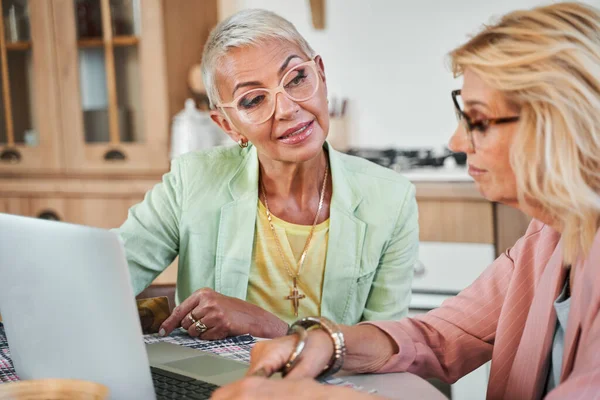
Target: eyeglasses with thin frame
[
  {"x": 257, "y": 106},
  {"x": 480, "y": 125}
]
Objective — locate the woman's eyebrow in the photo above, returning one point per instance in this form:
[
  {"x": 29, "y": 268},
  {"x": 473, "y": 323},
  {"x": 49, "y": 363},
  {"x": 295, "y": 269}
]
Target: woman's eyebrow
[
  {"x": 257, "y": 83},
  {"x": 472, "y": 103},
  {"x": 286, "y": 62},
  {"x": 244, "y": 84}
]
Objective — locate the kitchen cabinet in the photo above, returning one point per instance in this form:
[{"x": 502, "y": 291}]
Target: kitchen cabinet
[
  {"x": 460, "y": 221},
  {"x": 29, "y": 130},
  {"x": 50, "y": 208},
  {"x": 98, "y": 211},
  {"x": 456, "y": 212},
  {"x": 87, "y": 92},
  {"x": 104, "y": 213},
  {"x": 102, "y": 203},
  {"x": 114, "y": 110},
  {"x": 510, "y": 224},
  {"x": 14, "y": 205}
]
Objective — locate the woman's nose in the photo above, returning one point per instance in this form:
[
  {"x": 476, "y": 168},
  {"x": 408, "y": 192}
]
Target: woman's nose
[
  {"x": 284, "y": 106},
  {"x": 459, "y": 142}
]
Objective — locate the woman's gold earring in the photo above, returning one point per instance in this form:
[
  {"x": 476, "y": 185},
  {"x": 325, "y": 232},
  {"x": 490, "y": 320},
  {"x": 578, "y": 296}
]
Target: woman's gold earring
[{"x": 243, "y": 143}]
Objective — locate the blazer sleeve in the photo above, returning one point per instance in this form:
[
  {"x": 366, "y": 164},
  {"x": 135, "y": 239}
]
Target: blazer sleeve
[
  {"x": 458, "y": 337},
  {"x": 389, "y": 297},
  {"x": 150, "y": 234}
]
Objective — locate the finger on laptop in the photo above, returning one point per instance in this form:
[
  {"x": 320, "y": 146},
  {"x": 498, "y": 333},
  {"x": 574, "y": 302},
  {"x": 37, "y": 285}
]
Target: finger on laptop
[
  {"x": 270, "y": 356},
  {"x": 179, "y": 313}
]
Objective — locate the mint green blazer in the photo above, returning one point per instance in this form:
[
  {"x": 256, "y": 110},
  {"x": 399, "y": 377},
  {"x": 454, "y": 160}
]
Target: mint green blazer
[{"x": 204, "y": 210}]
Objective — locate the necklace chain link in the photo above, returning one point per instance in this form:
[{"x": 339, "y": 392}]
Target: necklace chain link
[{"x": 300, "y": 263}]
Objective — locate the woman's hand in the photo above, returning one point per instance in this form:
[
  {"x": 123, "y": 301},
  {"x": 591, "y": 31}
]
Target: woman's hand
[
  {"x": 222, "y": 316},
  {"x": 367, "y": 350},
  {"x": 272, "y": 355},
  {"x": 300, "y": 389}
]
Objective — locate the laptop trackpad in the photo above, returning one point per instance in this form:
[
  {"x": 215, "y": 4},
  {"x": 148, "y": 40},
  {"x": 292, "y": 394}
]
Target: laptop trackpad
[{"x": 206, "y": 365}]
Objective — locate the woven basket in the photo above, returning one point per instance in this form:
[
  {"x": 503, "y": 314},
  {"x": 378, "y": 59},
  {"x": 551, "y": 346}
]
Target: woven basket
[{"x": 53, "y": 389}]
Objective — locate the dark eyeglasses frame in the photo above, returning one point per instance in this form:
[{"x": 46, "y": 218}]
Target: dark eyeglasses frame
[{"x": 481, "y": 125}]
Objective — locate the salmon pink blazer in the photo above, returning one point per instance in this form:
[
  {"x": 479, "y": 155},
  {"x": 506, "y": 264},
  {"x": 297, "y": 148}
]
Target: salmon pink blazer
[{"x": 507, "y": 315}]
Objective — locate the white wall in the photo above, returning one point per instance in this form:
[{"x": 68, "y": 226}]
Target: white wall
[{"x": 388, "y": 58}]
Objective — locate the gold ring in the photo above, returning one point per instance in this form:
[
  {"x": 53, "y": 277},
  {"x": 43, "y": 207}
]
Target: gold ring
[
  {"x": 191, "y": 318},
  {"x": 200, "y": 327}
]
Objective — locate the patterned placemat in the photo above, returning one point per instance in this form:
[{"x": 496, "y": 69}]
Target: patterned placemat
[
  {"x": 237, "y": 348},
  {"x": 7, "y": 372}
]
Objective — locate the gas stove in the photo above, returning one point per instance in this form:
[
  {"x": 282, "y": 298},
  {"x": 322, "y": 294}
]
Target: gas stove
[{"x": 426, "y": 164}]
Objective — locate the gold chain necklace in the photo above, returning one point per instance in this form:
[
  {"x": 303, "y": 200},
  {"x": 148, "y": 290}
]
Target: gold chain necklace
[{"x": 296, "y": 296}]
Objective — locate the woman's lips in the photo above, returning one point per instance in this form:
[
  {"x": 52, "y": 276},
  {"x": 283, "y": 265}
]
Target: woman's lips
[
  {"x": 474, "y": 171},
  {"x": 299, "y": 135}
]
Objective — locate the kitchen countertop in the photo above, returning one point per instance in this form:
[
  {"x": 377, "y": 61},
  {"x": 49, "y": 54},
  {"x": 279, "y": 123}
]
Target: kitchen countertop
[
  {"x": 436, "y": 185},
  {"x": 438, "y": 174}
]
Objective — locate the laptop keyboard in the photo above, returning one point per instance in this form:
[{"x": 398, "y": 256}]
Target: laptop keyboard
[{"x": 169, "y": 385}]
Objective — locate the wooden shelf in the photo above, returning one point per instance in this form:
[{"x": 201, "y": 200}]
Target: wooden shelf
[
  {"x": 118, "y": 41},
  {"x": 18, "y": 46}
]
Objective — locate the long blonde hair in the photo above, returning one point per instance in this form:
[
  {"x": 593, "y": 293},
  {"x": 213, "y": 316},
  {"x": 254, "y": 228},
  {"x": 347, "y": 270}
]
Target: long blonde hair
[{"x": 546, "y": 61}]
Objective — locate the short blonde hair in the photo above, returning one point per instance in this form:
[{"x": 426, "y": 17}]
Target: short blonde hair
[
  {"x": 250, "y": 27},
  {"x": 546, "y": 61}
]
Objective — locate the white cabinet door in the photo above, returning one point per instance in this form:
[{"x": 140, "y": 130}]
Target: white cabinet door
[{"x": 450, "y": 267}]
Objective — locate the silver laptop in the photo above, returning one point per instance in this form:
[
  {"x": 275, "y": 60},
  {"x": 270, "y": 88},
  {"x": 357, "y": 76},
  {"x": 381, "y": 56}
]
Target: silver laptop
[{"x": 69, "y": 312}]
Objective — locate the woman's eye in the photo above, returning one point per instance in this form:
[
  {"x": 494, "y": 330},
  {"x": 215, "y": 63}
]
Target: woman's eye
[
  {"x": 251, "y": 102},
  {"x": 480, "y": 126},
  {"x": 298, "y": 79}
]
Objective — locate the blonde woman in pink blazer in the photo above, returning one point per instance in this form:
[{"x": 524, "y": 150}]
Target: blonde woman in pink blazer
[{"x": 529, "y": 113}]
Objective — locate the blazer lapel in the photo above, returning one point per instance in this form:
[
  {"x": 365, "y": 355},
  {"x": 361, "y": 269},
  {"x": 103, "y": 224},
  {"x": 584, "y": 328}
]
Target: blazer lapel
[
  {"x": 581, "y": 299},
  {"x": 530, "y": 369},
  {"x": 236, "y": 230},
  {"x": 344, "y": 249}
]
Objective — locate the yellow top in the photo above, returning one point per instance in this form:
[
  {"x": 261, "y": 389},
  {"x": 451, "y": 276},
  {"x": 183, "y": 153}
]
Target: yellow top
[{"x": 270, "y": 283}]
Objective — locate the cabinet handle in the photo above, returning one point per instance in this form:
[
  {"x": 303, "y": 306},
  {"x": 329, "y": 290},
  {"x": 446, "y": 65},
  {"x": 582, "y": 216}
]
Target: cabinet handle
[
  {"x": 420, "y": 269},
  {"x": 11, "y": 156},
  {"x": 114, "y": 155},
  {"x": 49, "y": 215}
]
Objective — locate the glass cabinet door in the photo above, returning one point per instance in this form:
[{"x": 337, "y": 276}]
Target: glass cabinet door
[
  {"x": 114, "y": 96},
  {"x": 28, "y": 116},
  {"x": 103, "y": 122}
]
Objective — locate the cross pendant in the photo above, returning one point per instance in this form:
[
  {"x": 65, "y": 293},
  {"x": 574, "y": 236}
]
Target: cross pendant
[{"x": 295, "y": 297}]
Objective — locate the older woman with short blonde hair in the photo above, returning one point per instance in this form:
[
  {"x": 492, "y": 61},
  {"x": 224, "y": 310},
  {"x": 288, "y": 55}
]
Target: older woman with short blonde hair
[
  {"x": 529, "y": 113},
  {"x": 280, "y": 225}
]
